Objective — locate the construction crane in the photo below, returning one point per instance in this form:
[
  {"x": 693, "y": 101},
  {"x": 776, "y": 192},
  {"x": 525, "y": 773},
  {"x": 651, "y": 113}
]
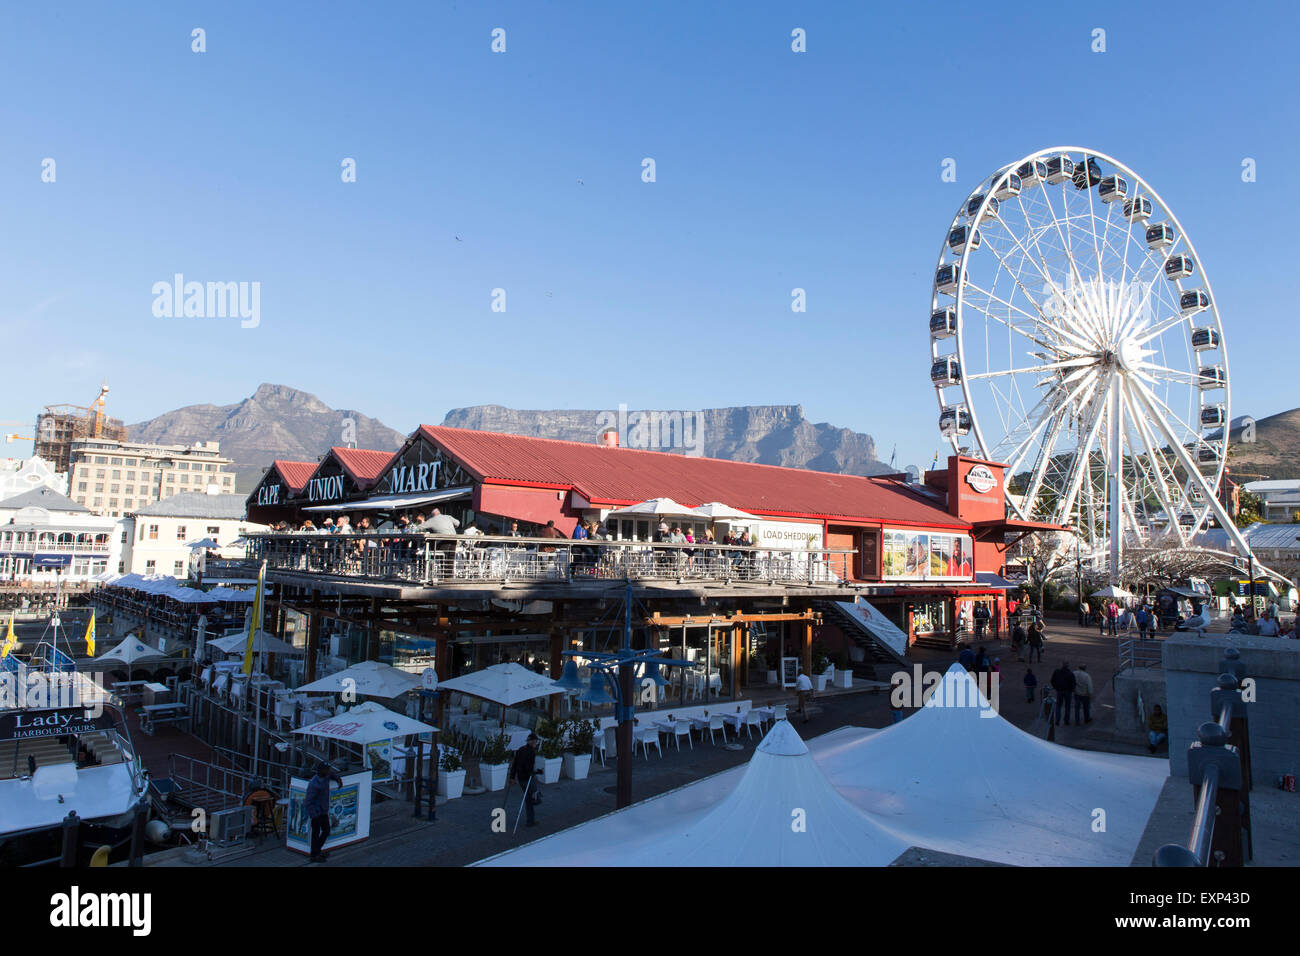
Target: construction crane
[
  {"x": 97, "y": 410},
  {"x": 11, "y": 438}
]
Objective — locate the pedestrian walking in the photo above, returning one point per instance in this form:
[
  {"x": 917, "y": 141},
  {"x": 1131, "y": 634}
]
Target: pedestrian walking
[
  {"x": 316, "y": 804},
  {"x": 521, "y": 771},
  {"x": 1018, "y": 638},
  {"x": 1082, "y": 695},
  {"x": 1036, "y": 640},
  {"x": 1112, "y": 615},
  {"x": 966, "y": 658},
  {"x": 1083, "y": 613},
  {"x": 1063, "y": 683},
  {"x": 1031, "y": 684},
  {"x": 804, "y": 688},
  {"x": 1143, "y": 621}
]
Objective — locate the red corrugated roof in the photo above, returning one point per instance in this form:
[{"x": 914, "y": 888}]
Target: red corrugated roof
[
  {"x": 364, "y": 465},
  {"x": 624, "y": 476},
  {"x": 294, "y": 473}
]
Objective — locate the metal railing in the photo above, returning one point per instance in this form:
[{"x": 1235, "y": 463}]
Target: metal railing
[
  {"x": 1139, "y": 652},
  {"x": 1218, "y": 766},
  {"x": 459, "y": 559}
]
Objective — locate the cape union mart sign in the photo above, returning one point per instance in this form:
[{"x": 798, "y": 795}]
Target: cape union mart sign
[
  {"x": 415, "y": 477},
  {"x": 269, "y": 494},
  {"x": 325, "y": 488}
]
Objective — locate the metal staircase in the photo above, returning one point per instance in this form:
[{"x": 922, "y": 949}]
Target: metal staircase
[{"x": 877, "y": 653}]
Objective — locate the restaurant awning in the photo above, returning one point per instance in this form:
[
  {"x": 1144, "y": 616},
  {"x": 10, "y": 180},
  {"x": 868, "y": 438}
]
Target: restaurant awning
[
  {"x": 989, "y": 579},
  {"x": 385, "y": 502}
]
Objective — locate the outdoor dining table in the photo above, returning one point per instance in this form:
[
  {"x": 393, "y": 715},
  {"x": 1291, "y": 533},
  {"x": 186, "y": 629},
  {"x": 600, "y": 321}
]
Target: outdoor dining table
[{"x": 738, "y": 720}]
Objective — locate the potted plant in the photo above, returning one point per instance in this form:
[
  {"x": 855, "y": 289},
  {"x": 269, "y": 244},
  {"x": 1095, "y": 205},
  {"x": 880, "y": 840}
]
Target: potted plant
[
  {"x": 551, "y": 752},
  {"x": 820, "y": 665},
  {"x": 451, "y": 774},
  {"x": 494, "y": 766},
  {"x": 579, "y": 733}
]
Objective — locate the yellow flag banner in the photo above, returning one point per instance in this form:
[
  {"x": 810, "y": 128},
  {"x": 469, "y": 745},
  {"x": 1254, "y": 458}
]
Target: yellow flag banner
[
  {"x": 255, "y": 621},
  {"x": 90, "y": 636},
  {"x": 11, "y": 640}
]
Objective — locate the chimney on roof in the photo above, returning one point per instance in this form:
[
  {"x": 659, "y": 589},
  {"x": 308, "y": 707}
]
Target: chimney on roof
[{"x": 609, "y": 438}]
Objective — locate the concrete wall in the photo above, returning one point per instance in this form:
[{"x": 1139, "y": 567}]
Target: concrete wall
[
  {"x": 1150, "y": 683},
  {"x": 1191, "y": 669}
]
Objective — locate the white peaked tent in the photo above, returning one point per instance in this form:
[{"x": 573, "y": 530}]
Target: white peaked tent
[
  {"x": 369, "y": 678},
  {"x": 132, "y": 652},
  {"x": 1112, "y": 591},
  {"x": 961, "y": 779},
  {"x": 779, "y": 810},
  {"x": 717, "y": 511}
]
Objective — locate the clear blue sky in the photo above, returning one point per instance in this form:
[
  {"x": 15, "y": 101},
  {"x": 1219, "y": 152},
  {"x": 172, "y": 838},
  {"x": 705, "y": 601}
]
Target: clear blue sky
[{"x": 774, "y": 170}]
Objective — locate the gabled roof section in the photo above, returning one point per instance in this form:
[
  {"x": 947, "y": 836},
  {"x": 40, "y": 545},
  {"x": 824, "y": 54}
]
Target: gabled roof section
[
  {"x": 294, "y": 473},
  {"x": 623, "y": 476}
]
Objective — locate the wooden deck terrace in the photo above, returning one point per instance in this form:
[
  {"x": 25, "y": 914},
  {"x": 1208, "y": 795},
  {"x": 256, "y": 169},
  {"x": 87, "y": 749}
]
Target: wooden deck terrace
[{"x": 420, "y": 567}]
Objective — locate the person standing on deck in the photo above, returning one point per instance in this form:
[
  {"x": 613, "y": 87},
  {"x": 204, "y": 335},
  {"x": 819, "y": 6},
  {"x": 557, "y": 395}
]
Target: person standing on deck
[{"x": 317, "y": 806}]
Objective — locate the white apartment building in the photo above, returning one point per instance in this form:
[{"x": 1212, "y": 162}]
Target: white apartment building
[
  {"x": 117, "y": 478},
  {"x": 160, "y": 535},
  {"x": 46, "y": 538},
  {"x": 1281, "y": 499}
]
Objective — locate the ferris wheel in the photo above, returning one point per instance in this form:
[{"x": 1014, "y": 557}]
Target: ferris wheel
[{"x": 1074, "y": 337}]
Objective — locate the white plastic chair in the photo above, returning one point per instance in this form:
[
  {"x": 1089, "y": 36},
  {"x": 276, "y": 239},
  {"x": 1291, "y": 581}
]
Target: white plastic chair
[
  {"x": 717, "y": 723},
  {"x": 647, "y": 736},
  {"x": 752, "y": 719},
  {"x": 778, "y": 712},
  {"x": 682, "y": 728},
  {"x": 598, "y": 744}
]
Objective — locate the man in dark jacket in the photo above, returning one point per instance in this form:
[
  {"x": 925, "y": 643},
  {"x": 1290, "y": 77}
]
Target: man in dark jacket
[
  {"x": 1063, "y": 683},
  {"x": 522, "y": 771},
  {"x": 317, "y": 807}
]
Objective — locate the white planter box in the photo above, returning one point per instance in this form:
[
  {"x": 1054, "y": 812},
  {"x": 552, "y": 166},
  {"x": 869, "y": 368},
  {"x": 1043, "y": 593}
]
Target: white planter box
[
  {"x": 819, "y": 682},
  {"x": 577, "y": 766},
  {"x": 551, "y": 769},
  {"x": 843, "y": 678},
  {"x": 494, "y": 775},
  {"x": 772, "y": 677},
  {"x": 451, "y": 783}
]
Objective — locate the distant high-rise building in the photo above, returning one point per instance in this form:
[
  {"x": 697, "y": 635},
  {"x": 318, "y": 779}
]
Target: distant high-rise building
[{"x": 119, "y": 477}]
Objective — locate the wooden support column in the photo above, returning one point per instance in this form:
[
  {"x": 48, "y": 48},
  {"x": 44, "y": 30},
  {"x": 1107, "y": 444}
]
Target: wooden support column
[
  {"x": 745, "y": 662},
  {"x": 806, "y": 648},
  {"x": 735, "y": 659},
  {"x": 313, "y": 637},
  {"x": 372, "y": 631}
]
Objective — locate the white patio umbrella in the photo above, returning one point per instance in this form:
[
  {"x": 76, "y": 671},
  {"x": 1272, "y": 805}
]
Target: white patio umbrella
[
  {"x": 717, "y": 511},
  {"x": 655, "y": 508},
  {"x": 506, "y": 684},
  {"x": 263, "y": 643},
  {"x": 1111, "y": 591},
  {"x": 370, "y": 678},
  {"x": 366, "y": 723}
]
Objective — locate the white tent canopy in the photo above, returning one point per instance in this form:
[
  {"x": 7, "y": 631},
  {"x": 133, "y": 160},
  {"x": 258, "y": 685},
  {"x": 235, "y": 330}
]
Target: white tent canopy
[
  {"x": 365, "y": 724},
  {"x": 370, "y": 678},
  {"x": 1111, "y": 591},
  {"x": 655, "y": 508},
  {"x": 717, "y": 511},
  {"x": 264, "y": 644},
  {"x": 954, "y": 777},
  {"x": 751, "y": 825},
  {"x": 507, "y": 684},
  {"x": 963, "y": 780}
]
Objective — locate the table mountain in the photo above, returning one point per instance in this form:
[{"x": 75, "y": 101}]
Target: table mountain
[
  {"x": 767, "y": 434},
  {"x": 276, "y": 421}
]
